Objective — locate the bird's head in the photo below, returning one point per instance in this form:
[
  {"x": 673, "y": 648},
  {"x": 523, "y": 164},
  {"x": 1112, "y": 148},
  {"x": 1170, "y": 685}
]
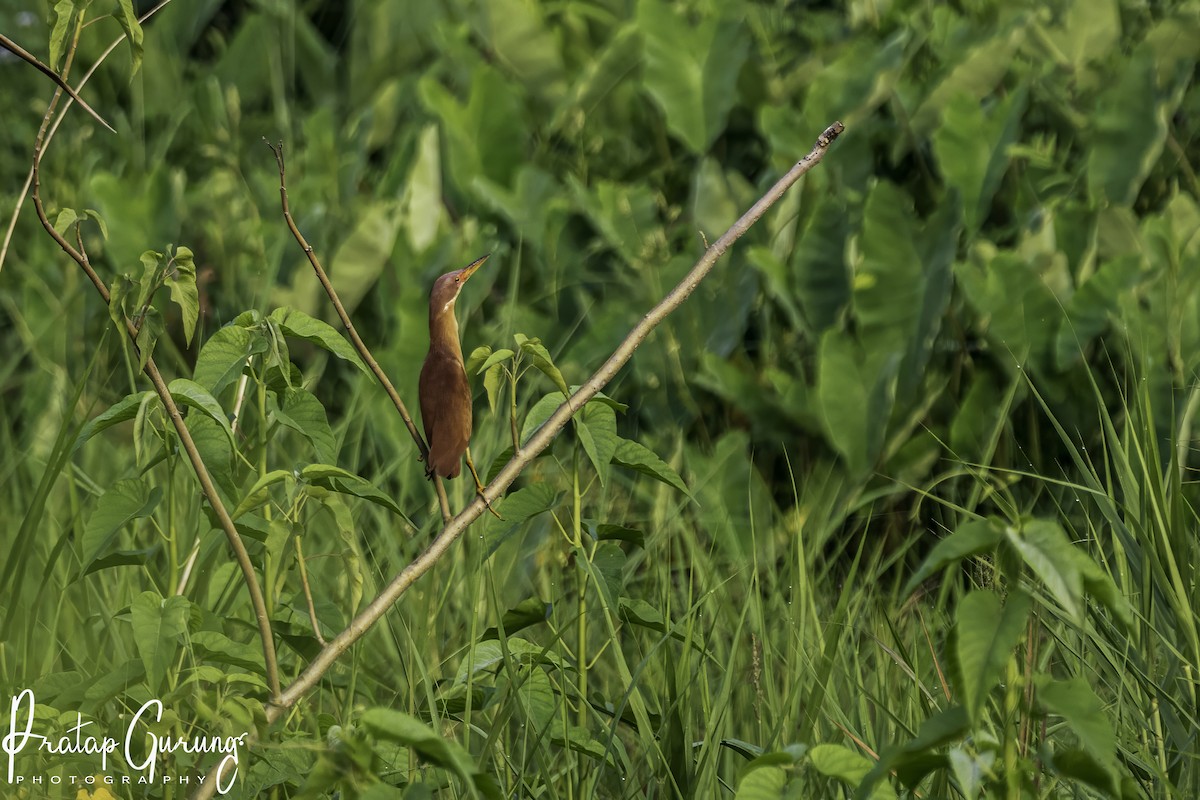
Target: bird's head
[{"x": 446, "y": 288}]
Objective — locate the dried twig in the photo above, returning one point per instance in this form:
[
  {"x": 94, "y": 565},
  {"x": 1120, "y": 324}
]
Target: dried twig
[
  {"x": 380, "y": 375},
  {"x": 25, "y": 55},
  {"x": 329, "y": 655}
]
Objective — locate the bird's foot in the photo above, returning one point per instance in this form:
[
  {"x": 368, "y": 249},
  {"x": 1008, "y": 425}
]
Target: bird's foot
[{"x": 479, "y": 492}]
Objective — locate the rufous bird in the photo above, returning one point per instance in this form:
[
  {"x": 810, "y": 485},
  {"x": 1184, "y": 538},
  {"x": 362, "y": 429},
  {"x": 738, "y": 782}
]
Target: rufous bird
[{"x": 443, "y": 389}]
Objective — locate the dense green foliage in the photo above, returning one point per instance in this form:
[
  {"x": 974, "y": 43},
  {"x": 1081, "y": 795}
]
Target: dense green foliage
[{"x": 900, "y": 501}]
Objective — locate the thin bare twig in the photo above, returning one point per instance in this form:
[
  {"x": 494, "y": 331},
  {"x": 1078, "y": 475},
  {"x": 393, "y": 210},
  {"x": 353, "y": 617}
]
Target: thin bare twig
[
  {"x": 25, "y": 55},
  {"x": 328, "y": 656},
  {"x": 376, "y": 370},
  {"x": 164, "y": 394},
  {"x": 87, "y": 76}
]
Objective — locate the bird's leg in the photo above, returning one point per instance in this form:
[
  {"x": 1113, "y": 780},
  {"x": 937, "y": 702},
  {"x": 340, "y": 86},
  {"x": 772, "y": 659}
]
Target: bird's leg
[{"x": 479, "y": 485}]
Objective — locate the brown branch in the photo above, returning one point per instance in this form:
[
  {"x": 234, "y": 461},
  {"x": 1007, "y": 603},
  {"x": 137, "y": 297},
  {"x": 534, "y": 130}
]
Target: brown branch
[
  {"x": 164, "y": 394},
  {"x": 12, "y": 222},
  {"x": 376, "y": 370},
  {"x": 25, "y": 55},
  {"x": 328, "y": 656}
]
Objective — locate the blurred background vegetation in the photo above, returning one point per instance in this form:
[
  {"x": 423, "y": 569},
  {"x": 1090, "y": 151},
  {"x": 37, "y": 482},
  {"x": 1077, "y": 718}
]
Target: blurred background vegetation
[{"x": 985, "y": 301}]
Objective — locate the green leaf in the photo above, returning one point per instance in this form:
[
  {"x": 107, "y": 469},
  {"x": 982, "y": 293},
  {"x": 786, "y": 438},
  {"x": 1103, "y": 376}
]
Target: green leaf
[
  {"x": 64, "y": 13},
  {"x": 516, "y": 508},
  {"x": 260, "y": 492},
  {"x": 493, "y": 380},
  {"x": 303, "y": 413},
  {"x": 296, "y": 323},
  {"x": 124, "y": 409},
  {"x": 540, "y": 357},
  {"x": 609, "y": 561},
  {"x": 1075, "y": 702},
  {"x": 125, "y": 501},
  {"x": 987, "y": 635},
  {"x": 691, "y": 69},
  {"x": 847, "y": 766},
  {"x": 158, "y": 624},
  {"x": 1047, "y": 551},
  {"x": 972, "y": 149},
  {"x": 764, "y": 783},
  {"x": 1130, "y": 122},
  {"x": 409, "y": 731},
  {"x": 973, "y": 538},
  {"x": 525, "y": 614},
  {"x": 133, "y": 32},
  {"x": 189, "y": 393},
  {"x": 537, "y": 416},
  {"x": 148, "y": 335},
  {"x": 339, "y": 480},
  {"x": 503, "y": 354},
  {"x": 855, "y": 391},
  {"x": 596, "y": 426},
  {"x": 421, "y": 207},
  {"x": 93, "y": 214},
  {"x": 182, "y": 281},
  {"x": 224, "y": 355},
  {"x": 65, "y": 219},
  {"x": 216, "y": 646},
  {"x": 637, "y": 457}
]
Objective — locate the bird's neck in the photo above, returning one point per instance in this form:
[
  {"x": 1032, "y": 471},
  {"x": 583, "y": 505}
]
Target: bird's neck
[{"x": 443, "y": 333}]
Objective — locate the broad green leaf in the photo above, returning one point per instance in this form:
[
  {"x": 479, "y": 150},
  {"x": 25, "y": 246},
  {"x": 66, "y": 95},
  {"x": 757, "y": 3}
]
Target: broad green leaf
[
  {"x": 536, "y": 417},
  {"x": 536, "y": 700},
  {"x": 345, "y": 482},
  {"x": 493, "y": 380},
  {"x": 477, "y": 357},
  {"x": 764, "y": 783},
  {"x": 133, "y": 32},
  {"x": 888, "y": 283},
  {"x": 224, "y": 355},
  {"x": 94, "y": 215},
  {"x": 1047, "y": 551},
  {"x": 847, "y": 766},
  {"x": 421, "y": 207},
  {"x": 822, "y": 277},
  {"x": 494, "y": 358},
  {"x": 1092, "y": 306},
  {"x": 637, "y": 457},
  {"x": 259, "y": 493},
  {"x": 1078, "y": 705},
  {"x": 128, "y": 499},
  {"x": 360, "y": 259},
  {"x": 192, "y": 394},
  {"x": 65, "y": 219},
  {"x": 976, "y": 75},
  {"x": 158, "y": 624},
  {"x": 516, "y": 508},
  {"x": 971, "y": 145},
  {"x": 411, "y": 732},
  {"x": 1130, "y": 130},
  {"x": 296, "y": 323},
  {"x": 64, "y": 14},
  {"x": 303, "y": 413},
  {"x": 855, "y": 392},
  {"x": 691, "y": 68},
  {"x": 540, "y": 356},
  {"x": 987, "y": 635},
  {"x": 973, "y": 538},
  {"x": 525, "y": 614},
  {"x": 124, "y": 409},
  {"x": 596, "y": 426},
  {"x": 149, "y": 333},
  {"x": 609, "y": 561},
  {"x": 182, "y": 282},
  {"x": 217, "y": 647}
]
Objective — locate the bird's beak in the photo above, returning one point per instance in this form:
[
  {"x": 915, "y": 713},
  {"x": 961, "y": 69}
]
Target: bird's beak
[{"x": 469, "y": 270}]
